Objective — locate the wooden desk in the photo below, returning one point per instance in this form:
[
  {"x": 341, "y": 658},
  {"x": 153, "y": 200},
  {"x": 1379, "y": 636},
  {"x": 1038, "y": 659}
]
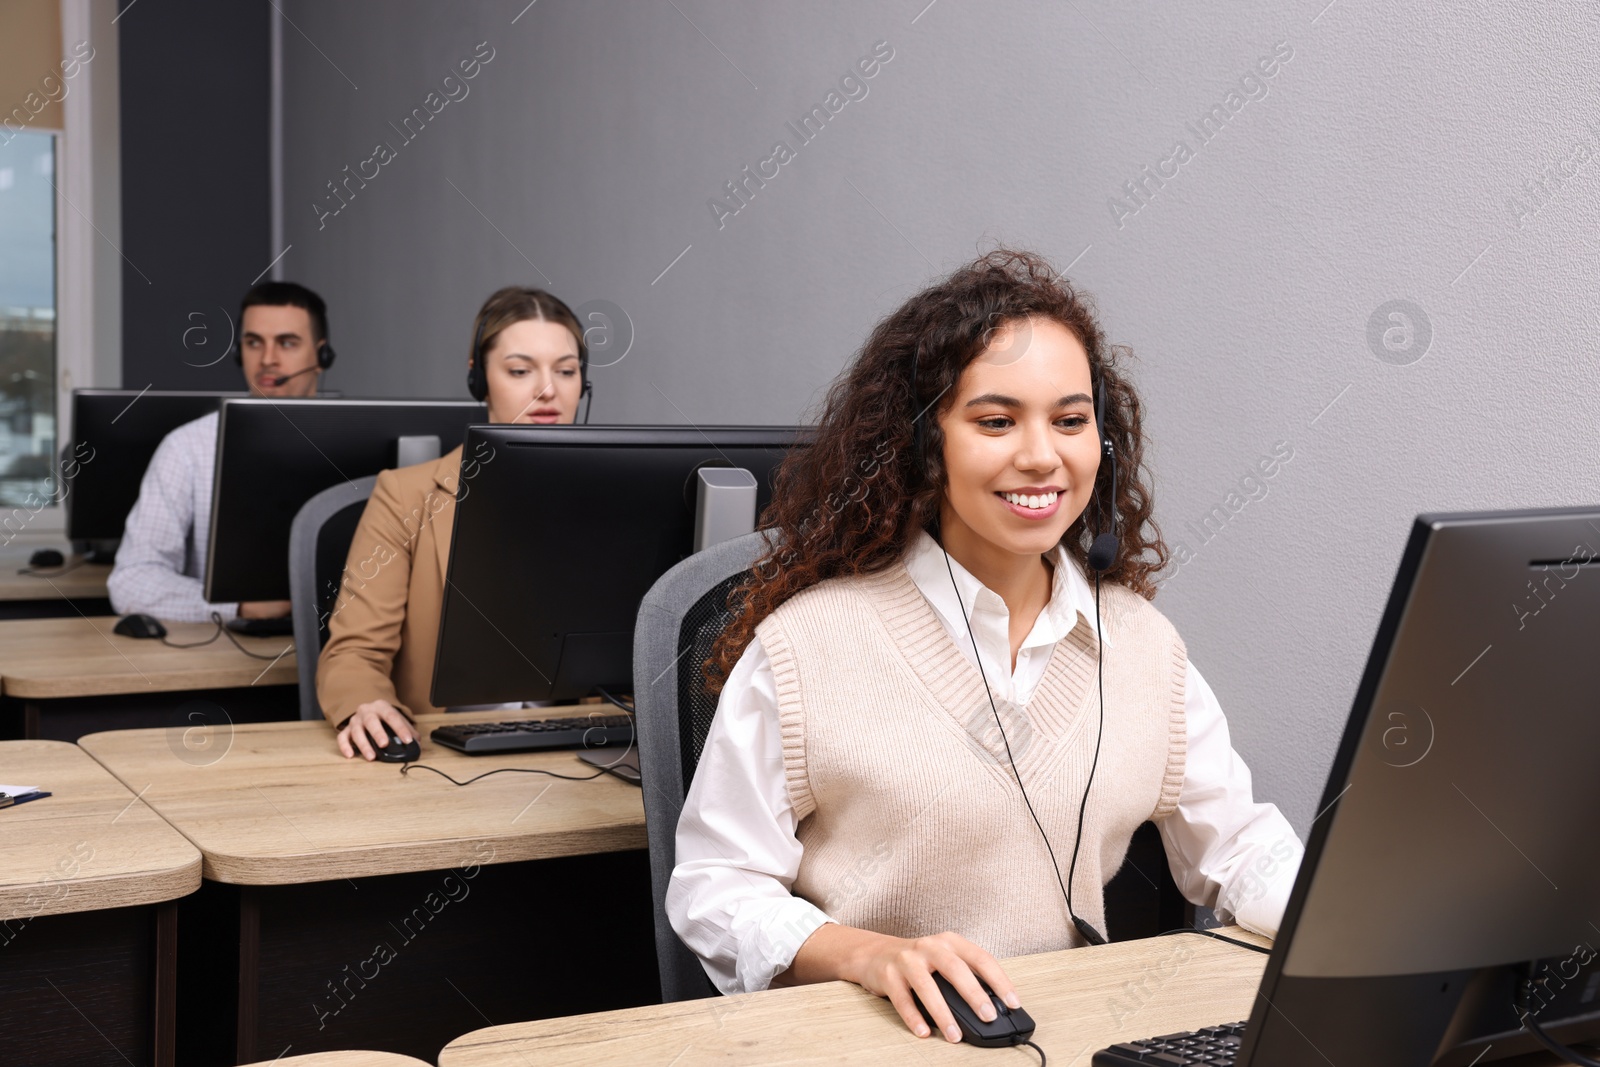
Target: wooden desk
[
  {"x": 1081, "y": 1000},
  {"x": 87, "y": 924},
  {"x": 54, "y": 593},
  {"x": 59, "y": 673},
  {"x": 314, "y": 861},
  {"x": 277, "y": 807}
]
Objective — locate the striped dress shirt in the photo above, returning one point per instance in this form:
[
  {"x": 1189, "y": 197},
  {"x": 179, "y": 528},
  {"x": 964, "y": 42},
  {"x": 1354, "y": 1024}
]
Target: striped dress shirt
[{"x": 161, "y": 563}]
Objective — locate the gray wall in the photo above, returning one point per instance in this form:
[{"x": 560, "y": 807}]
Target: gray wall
[
  {"x": 193, "y": 94},
  {"x": 1378, "y": 163}
]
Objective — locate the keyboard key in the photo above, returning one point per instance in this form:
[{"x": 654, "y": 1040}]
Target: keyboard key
[
  {"x": 1212, "y": 1046},
  {"x": 1128, "y": 1050}
]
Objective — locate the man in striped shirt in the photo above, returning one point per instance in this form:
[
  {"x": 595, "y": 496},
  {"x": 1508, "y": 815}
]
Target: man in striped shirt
[{"x": 161, "y": 563}]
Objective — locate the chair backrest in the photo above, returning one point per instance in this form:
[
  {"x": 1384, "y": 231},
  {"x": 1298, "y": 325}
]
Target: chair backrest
[
  {"x": 1142, "y": 900},
  {"x": 679, "y": 620},
  {"x": 319, "y": 544}
]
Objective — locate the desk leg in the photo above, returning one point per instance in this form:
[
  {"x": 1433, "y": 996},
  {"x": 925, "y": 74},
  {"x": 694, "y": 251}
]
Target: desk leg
[
  {"x": 166, "y": 983},
  {"x": 249, "y": 973}
]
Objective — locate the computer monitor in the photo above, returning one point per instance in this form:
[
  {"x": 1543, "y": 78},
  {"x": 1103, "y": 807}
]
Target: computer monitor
[
  {"x": 557, "y": 538},
  {"x": 114, "y": 434},
  {"x": 1457, "y": 837},
  {"x": 274, "y": 455}
]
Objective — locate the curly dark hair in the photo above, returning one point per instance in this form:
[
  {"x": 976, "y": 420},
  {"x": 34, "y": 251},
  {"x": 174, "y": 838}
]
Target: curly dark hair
[{"x": 851, "y": 502}]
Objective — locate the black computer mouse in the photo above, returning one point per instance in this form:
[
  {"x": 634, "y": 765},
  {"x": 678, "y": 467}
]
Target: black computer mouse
[
  {"x": 397, "y": 751},
  {"x": 139, "y": 626},
  {"x": 46, "y": 558},
  {"x": 1011, "y": 1026}
]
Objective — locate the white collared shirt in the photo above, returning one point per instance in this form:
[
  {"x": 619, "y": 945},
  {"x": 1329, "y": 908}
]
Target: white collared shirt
[
  {"x": 737, "y": 850},
  {"x": 161, "y": 562}
]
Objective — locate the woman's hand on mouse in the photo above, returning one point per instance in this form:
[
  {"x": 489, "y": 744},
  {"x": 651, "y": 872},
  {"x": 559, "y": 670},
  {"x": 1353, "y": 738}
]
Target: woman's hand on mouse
[
  {"x": 365, "y": 730},
  {"x": 894, "y": 967}
]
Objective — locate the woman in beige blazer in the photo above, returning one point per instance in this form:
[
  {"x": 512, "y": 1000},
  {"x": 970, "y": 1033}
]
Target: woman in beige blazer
[{"x": 377, "y": 667}]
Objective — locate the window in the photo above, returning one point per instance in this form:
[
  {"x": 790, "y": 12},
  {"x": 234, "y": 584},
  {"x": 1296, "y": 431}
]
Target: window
[{"x": 27, "y": 318}]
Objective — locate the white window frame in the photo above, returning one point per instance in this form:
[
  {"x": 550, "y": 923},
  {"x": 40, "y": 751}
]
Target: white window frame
[{"x": 75, "y": 241}]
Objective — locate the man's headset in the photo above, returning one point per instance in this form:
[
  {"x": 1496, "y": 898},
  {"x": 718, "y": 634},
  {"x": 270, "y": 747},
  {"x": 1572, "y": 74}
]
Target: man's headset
[
  {"x": 325, "y": 357},
  {"x": 1102, "y": 554},
  {"x": 478, "y": 379}
]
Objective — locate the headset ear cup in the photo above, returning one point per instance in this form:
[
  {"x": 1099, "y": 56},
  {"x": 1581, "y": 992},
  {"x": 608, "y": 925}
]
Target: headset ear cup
[
  {"x": 326, "y": 355},
  {"x": 477, "y": 380},
  {"x": 1103, "y": 550}
]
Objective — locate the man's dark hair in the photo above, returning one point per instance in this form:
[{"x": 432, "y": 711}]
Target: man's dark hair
[{"x": 288, "y": 294}]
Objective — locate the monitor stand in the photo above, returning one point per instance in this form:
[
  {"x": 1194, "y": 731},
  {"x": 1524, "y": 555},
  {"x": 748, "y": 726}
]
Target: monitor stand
[{"x": 725, "y": 505}]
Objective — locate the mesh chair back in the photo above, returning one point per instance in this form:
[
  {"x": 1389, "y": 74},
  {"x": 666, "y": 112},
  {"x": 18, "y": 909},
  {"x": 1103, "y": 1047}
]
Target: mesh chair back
[
  {"x": 319, "y": 544},
  {"x": 679, "y": 619},
  {"x": 702, "y": 624}
]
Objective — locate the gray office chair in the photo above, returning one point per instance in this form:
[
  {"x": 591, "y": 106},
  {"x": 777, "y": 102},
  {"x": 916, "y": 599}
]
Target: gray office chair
[
  {"x": 679, "y": 620},
  {"x": 319, "y": 543}
]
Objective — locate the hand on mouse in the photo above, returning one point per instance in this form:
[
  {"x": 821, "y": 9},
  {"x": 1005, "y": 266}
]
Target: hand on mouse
[
  {"x": 365, "y": 730},
  {"x": 894, "y": 966}
]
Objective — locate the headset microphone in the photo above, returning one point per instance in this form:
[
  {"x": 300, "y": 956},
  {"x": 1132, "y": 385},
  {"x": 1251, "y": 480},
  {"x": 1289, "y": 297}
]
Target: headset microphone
[{"x": 275, "y": 382}]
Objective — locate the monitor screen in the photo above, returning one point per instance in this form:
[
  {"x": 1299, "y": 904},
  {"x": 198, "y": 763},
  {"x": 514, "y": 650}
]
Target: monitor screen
[
  {"x": 274, "y": 455},
  {"x": 558, "y": 535},
  {"x": 114, "y": 434}
]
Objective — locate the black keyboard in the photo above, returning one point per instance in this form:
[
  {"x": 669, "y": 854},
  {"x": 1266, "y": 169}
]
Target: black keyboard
[
  {"x": 1213, "y": 1046},
  {"x": 590, "y": 731}
]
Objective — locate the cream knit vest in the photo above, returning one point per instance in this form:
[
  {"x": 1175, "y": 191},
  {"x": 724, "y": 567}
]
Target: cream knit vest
[{"x": 909, "y": 815}]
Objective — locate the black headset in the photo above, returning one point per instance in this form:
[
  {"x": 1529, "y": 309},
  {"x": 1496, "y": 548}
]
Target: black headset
[
  {"x": 1103, "y": 549},
  {"x": 1102, "y": 554},
  {"x": 325, "y": 353},
  {"x": 478, "y": 378}
]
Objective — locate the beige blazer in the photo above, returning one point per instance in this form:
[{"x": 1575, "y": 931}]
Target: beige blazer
[{"x": 384, "y": 627}]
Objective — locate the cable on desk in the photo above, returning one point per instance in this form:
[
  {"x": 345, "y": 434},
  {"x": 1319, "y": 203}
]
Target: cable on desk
[
  {"x": 611, "y": 699},
  {"x": 1035, "y": 1048},
  {"x": 197, "y": 644},
  {"x": 221, "y": 629},
  {"x": 407, "y": 768},
  {"x": 1218, "y": 937}
]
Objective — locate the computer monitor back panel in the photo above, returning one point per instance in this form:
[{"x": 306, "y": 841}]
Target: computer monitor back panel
[
  {"x": 114, "y": 434},
  {"x": 274, "y": 455},
  {"x": 558, "y": 537},
  {"x": 1455, "y": 777},
  {"x": 1450, "y": 840}
]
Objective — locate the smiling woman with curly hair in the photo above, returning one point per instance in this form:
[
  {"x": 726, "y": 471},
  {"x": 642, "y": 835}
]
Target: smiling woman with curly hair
[{"x": 946, "y": 701}]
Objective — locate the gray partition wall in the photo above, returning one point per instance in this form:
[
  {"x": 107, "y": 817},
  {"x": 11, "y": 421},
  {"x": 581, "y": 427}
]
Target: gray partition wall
[
  {"x": 1352, "y": 245},
  {"x": 194, "y": 97}
]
